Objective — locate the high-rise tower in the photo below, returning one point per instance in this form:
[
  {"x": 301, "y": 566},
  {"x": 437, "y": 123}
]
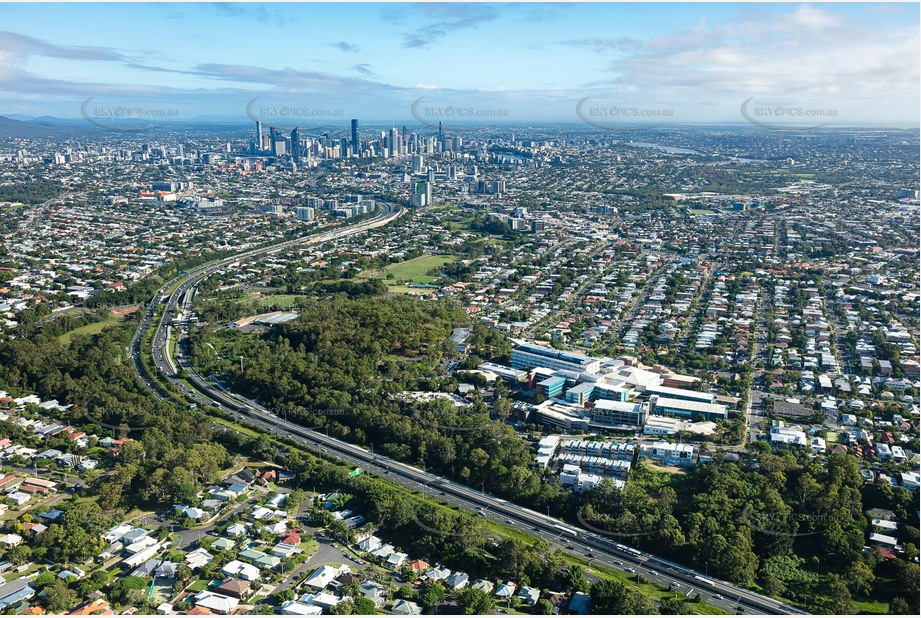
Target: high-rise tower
[{"x": 355, "y": 149}]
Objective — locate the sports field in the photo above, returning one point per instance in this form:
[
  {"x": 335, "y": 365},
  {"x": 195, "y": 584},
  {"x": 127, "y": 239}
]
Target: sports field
[
  {"x": 91, "y": 328},
  {"x": 413, "y": 270}
]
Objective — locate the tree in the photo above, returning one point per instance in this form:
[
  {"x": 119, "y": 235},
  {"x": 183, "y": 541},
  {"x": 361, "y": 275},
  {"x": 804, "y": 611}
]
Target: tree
[
  {"x": 543, "y": 607},
  {"x": 19, "y": 554},
  {"x": 899, "y": 607},
  {"x": 128, "y": 590},
  {"x": 363, "y": 606},
  {"x": 432, "y": 595},
  {"x": 473, "y": 601},
  {"x": 840, "y": 601},
  {"x": 183, "y": 573},
  {"x": 59, "y": 597},
  {"x": 503, "y": 408},
  {"x": 343, "y": 608},
  {"x": 860, "y": 576},
  {"x": 575, "y": 579},
  {"x": 610, "y": 597},
  {"x": 45, "y": 579},
  {"x": 675, "y": 606},
  {"x": 287, "y": 594}
]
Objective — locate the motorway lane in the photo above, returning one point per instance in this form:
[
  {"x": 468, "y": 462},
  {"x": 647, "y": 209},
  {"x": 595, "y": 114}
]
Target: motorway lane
[
  {"x": 590, "y": 545},
  {"x": 662, "y": 573}
]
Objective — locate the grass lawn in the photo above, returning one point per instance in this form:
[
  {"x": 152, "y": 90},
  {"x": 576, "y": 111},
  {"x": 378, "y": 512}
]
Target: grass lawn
[
  {"x": 14, "y": 575},
  {"x": 871, "y": 607},
  {"x": 405, "y": 289},
  {"x": 414, "y": 270},
  {"x": 197, "y": 586},
  {"x": 238, "y": 427},
  {"x": 90, "y": 329},
  {"x": 650, "y": 590},
  {"x": 702, "y": 211},
  {"x": 281, "y": 301}
]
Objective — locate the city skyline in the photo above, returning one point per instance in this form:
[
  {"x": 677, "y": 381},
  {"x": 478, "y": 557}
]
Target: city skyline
[{"x": 319, "y": 64}]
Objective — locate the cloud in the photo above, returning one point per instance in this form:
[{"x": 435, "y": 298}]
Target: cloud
[
  {"x": 364, "y": 69},
  {"x": 346, "y": 47},
  {"x": 257, "y": 12},
  {"x": 20, "y": 45},
  {"x": 449, "y": 18},
  {"x": 597, "y": 44},
  {"x": 804, "y": 54},
  {"x": 288, "y": 78}
]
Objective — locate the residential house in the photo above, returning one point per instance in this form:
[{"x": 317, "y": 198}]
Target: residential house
[
  {"x": 296, "y": 608},
  {"x": 238, "y": 588},
  {"x": 529, "y": 594},
  {"x": 406, "y": 608},
  {"x": 217, "y": 603}
]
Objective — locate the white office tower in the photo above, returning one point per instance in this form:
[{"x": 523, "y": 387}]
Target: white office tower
[{"x": 305, "y": 213}]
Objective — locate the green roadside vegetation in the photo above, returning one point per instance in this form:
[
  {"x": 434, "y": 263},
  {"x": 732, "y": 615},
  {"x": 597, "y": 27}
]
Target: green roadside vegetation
[{"x": 270, "y": 301}]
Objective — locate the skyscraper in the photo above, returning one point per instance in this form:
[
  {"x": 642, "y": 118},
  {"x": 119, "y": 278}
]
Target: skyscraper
[
  {"x": 273, "y": 139},
  {"x": 355, "y": 149},
  {"x": 296, "y": 142},
  {"x": 394, "y": 142},
  {"x": 259, "y": 134}
]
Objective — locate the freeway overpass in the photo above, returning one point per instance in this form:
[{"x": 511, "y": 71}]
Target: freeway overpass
[{"x": 598, "y": 548}]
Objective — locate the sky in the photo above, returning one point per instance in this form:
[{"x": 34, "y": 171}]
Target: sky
[{"x": 314, "y": 64}]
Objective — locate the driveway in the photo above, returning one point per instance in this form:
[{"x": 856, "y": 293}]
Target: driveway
[{"x": 325, "y": 554}]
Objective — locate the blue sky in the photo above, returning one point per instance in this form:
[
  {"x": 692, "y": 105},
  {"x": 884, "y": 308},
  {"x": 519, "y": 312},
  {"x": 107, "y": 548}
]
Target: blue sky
[{"x": 693, "y": 62}]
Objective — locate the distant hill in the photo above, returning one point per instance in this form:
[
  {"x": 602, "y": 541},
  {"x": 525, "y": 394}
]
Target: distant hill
[{"x": 46, "y": 126}]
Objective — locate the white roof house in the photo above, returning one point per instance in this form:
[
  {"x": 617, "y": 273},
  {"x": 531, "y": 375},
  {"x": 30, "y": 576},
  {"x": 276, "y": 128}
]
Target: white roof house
[
  {"x": 911, "y": 480},
  {"x": 885, "y": 524},
  {"x": 198, "y": 558},
  {"x": 370, "y": 544},
  {"x": 321, "y": 578},
  {"x": 218, "y": 603},
  {"x": 883, "y": 539},
  {"x": 242, "y": 570},
  {"x": 296, "y": 608}
]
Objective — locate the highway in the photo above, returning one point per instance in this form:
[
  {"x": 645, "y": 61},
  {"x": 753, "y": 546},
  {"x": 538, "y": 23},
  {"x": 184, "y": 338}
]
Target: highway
[{"x": 597, "y": 548}]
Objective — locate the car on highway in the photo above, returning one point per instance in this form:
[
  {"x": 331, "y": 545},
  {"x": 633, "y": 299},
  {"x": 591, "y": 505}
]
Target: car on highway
[
  {"x": 717, "y": 596},
  {"x": 676, "y": 585},
  {"x": 630, "y": 570},
  {"x": 508, "y": 521}
]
